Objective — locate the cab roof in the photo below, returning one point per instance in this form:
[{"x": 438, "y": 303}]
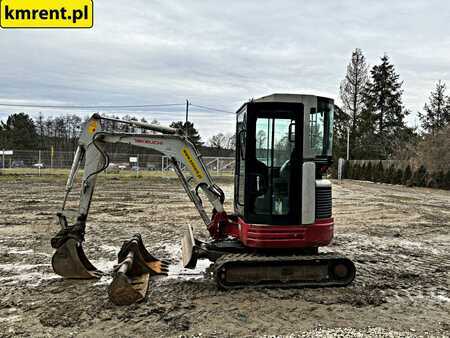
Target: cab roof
[{"x": 281, "y": 97}]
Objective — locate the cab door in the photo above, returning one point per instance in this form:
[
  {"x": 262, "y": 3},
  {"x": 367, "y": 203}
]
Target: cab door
[{"x": 274, "y": 163}]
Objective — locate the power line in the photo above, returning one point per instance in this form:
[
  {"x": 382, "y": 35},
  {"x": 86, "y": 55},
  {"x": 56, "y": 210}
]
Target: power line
[
  {"x": 212, "y": 109},
  {"x": 108, "y": 107},
  {"x": 90, "y": 107}
]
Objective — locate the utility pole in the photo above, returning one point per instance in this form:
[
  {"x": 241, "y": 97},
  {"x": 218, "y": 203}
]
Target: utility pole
[
  {"x": 187, "y": 118},
  {"x": 51, "y": 157},
  {"x": 348, "y": 143},
  {"x": 39, "y": 163}
]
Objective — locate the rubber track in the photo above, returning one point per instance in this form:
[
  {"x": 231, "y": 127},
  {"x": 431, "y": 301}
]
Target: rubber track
[{"x": 259, "y": 258}]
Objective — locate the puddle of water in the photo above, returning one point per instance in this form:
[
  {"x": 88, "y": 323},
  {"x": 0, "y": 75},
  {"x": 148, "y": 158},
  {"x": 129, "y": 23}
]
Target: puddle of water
[
  {"x": 177, "y": 271},
  {"x": 32, "y": 279}
]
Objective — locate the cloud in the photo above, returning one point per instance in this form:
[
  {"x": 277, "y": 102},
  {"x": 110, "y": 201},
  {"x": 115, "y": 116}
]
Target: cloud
[{"x": 221, "y": 54}]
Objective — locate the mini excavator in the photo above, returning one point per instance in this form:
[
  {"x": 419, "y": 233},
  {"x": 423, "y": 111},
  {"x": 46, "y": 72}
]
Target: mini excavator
[{"x": 282, "y": 203}]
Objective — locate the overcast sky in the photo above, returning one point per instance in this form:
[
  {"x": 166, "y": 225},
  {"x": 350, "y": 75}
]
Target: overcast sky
[{"x": 221, "y": 53}]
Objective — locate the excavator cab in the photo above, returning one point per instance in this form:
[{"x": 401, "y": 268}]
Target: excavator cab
[
  {"x": 283, "y": 145},
  {"x": 283, "y": 148}
]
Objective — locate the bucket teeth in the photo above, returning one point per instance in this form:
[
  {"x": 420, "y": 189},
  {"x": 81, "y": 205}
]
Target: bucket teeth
[
  {"x": 132, "y": 273},
  {"x": 159, "y": 267}
]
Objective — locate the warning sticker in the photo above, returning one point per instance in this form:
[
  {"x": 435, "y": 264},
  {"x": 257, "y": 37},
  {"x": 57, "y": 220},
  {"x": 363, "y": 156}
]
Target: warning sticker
[{"x": 195, "y": 169}]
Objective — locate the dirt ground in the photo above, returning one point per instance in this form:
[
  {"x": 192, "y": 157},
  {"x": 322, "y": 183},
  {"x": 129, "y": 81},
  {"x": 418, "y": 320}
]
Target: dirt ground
[{"x": 399, "y": 238}]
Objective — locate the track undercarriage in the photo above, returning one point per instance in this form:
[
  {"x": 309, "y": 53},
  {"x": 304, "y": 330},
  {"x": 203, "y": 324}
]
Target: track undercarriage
[{"x": 236, "y": 266}]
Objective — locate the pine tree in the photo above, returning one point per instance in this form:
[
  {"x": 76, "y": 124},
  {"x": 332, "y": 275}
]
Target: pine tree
[
  {"x": 192, "y": 132},
  {"x": 437, "y": 112},
  {"x": 383, "y": 114},
  {"x": 20, "y": 132},
  {"x": 351, "y": 92},
  {"x": 39, "y": 123}
]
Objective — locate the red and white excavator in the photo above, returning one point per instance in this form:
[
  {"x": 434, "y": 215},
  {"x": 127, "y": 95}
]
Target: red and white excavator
[{"x": 282, "y": 204}]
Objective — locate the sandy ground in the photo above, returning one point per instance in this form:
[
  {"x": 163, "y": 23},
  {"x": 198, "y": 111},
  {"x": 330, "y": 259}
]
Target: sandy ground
[{"x": 399, "y": 238}]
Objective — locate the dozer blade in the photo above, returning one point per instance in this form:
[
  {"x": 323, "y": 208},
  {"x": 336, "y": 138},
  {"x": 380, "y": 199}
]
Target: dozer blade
[
  {"x": 188, "y": 249},
  {"x": 132, "y": 274},
  {"x": 70, "y": 261}
]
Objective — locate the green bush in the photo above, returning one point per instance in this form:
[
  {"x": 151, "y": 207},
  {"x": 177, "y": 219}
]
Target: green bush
[
  {"x": 389, "y": 175},
  {"x": 348, "y": 168},
  {"x": 446, "y": 181},
  {"x": 378, "y": 173},
  {"x": 407, "y": 174},
  {"x": 398, "y": 176},
  {"x": 362, "y": 172},
  {"x": 439, "y": 178},
  {"x": 368, "y": 172},
  {"x": 356, "y": 172},
  {"x": 419, "y": 179}
]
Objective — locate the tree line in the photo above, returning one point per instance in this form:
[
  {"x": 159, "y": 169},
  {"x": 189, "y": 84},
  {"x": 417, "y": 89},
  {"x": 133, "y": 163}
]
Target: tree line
[
  {"x": 373, "y": 114},
  {"x": 21, "y": 132}
]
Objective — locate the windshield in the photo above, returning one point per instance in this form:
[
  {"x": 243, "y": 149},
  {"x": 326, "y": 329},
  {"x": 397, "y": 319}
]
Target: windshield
[{"x": 321, "y": 127}]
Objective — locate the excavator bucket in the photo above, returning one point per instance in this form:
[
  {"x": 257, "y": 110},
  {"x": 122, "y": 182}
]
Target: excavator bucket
[
  {"x": 70, "y": 261},
  {"x": 132, "y": 274}
]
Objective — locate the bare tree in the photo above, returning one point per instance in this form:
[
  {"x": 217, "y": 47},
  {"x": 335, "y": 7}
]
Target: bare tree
[
  {"x": 351, "y": 90},
  {"x": 218, "y": 141},
  {"x": 154, "y": 121},
  {"x": 231, "y": 141}
]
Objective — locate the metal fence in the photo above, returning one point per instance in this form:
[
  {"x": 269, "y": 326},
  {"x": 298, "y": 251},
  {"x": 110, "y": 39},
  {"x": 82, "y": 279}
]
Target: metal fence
[
  {"x": 121, "y": 161},
  {"x": 214, "y": 164}
]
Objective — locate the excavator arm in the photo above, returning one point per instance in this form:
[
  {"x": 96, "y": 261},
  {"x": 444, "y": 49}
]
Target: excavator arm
[{"x": 69, "y": 259}]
